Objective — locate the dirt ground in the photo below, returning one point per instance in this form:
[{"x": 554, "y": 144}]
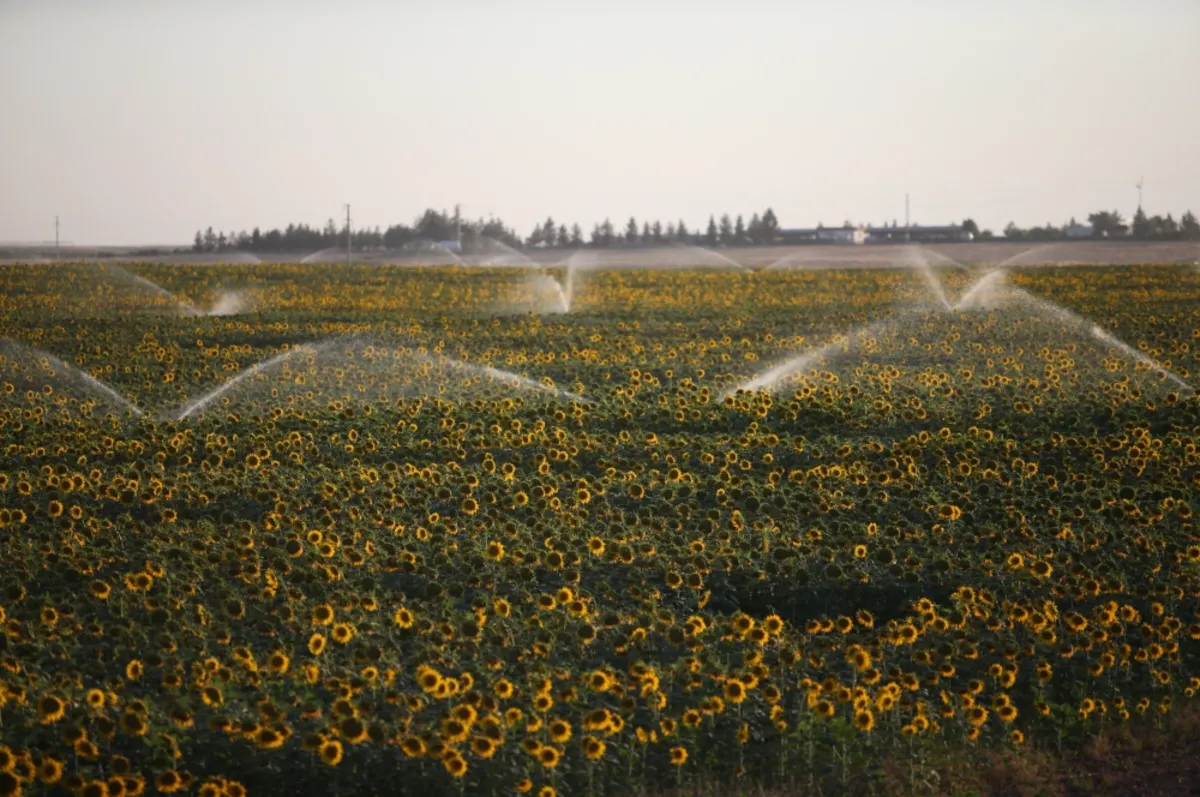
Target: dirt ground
[
  {"x": 970, "y": 254},
  {"x": 1109, "y": 252}
]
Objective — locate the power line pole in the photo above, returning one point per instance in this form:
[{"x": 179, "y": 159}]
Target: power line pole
[{"x": 347, "y": 233}]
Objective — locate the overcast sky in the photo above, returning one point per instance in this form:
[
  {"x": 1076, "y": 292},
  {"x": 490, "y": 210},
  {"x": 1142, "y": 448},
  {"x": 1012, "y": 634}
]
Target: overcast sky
[{"x": 138, "y": 122}]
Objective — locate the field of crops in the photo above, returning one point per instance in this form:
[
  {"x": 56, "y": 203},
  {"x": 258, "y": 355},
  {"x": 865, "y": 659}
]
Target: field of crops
[{"x": 430, "y": 545}]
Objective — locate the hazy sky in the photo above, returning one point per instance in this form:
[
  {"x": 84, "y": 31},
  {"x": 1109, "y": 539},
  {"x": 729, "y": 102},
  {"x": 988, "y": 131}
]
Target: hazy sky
[{"x": 139, "y": 122}]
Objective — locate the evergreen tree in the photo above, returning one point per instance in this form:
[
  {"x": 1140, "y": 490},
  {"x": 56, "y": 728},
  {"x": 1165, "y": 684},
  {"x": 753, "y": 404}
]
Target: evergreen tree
[
  {"x": 607, "y": 233},
  {"x": 770, "y": 227},
  {"x": 1141, "y": 224},
  {"x": 576, "y": 235},
  {"x": 631, "y": 231},
  {"x": 1189, "y": 227},
  {"x": 710, "y": 237},
  {"x": 657, "y": 232},
  {"x": 754, "y": 230},
  {"x": 726, "y": 231},
  {"x": 739, "y": 230}
]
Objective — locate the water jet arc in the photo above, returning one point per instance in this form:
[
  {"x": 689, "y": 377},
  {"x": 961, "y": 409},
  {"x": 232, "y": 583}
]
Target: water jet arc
[
  {"x": 202, "y": 401},
  {"x": 1068, "y": 316},
  {"x": 115, "y": 273},
  {"x": 984, "y": 287},
  {"x": 770, "y": 379},
  {"x": 13, "y": 349}
]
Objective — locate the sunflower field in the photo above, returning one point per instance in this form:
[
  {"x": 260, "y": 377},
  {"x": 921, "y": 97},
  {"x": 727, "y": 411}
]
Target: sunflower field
[{"x": 372, "y": 534}]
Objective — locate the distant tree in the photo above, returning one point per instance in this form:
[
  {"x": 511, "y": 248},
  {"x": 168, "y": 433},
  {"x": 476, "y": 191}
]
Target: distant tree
[
  {"x": 397, "y": 236},
  {"x": 256, "y": 239},
  {"x": 671, "y": 234},
  {"x": 739, "y": 230},
  {"x": 436, "y": 225},
  {"x": 986, "y": 235},
  {"x": 1047, "y": 233},
  {"x": 1013, "y": 232},
  {"x": 330, "y": 236},
  {"x": 1141, "y": 224},
  {"x": 971, "y": 227},
  {"x": 443, "y": 228},
  {"x": 770, "y": 226},
  {"x": 198, "y": 243},
  {"x": 726, "y": 229},
  {"x": 681, "y": 231},
  {"x": 222, "y": 242},
  {"x": 631, "y": 231},
  {"x": 1189, "y": 228},
  {"x": 710, "y": 237},
  {"x": 754, "y": 229},
  {"x": 547, "y": 232},
  {"x": 563, "y": 239},
  {"x": 576, "y": 235},
  {"x": 1106, "y": 223},
  {"x": 657, "y": 232},
  {"x": 535, "y": 237},
  {"x": 210, "y": 240},
  {"x": 647, "y": 235}
]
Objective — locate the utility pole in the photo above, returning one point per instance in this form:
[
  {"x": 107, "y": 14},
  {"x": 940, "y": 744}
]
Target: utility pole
[
  {"x": 56, "y": 239},
  {"x": 347, "y": 234},
  {"x": 1139, "y": 188}
]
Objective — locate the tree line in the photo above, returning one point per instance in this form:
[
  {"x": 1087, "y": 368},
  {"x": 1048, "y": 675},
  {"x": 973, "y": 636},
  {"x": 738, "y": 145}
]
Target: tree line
[
  {"x": 440, "y": 225},
  {"x": 1110, "y": 224},
  {"x": 761, "y": 229}
]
